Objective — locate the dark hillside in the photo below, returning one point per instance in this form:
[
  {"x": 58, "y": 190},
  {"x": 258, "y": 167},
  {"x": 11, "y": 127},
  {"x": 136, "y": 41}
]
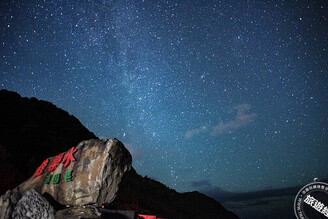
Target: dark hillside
[
  {"x": 31, "y": 130},
  {"x": 148, "y": 196}
]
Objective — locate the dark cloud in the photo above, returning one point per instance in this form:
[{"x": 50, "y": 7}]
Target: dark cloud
[
  {"x": 224, "y": 196},
  {"x": 256, "y": 204},
  {"x": 206, "y": 187},
  {"x": 201, "y": 184}
]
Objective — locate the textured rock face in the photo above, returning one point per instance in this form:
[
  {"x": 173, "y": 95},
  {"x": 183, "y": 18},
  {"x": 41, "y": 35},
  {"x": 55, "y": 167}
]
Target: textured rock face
[
  {"x": 6, "y": 207},
  {"x": 33, "y": 205},
  {"x": 93, "y": 178},
  {"x": 7, "y": 203}
]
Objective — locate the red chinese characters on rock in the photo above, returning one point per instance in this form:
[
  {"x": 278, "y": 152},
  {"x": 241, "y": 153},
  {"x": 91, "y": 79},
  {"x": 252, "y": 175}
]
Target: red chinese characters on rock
[
  {"x": 55, "y": 162},
  {"x": 41, "y": 168},
  {"x": 69, "y": 157}
]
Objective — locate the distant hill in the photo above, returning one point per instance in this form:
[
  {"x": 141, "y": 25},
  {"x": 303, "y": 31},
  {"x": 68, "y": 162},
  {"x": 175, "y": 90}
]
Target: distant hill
[
  {"x": 30, "y": 131},
  {"x": 148, "y": 196}
]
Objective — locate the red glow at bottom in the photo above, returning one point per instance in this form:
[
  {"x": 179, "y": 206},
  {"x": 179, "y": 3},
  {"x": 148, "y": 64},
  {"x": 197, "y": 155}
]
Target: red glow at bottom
[{"x": 147, "y": 216}]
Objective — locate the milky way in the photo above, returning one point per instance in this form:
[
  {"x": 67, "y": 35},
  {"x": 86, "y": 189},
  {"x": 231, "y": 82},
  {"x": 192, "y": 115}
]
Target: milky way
[{"x": 207, "y": 95}]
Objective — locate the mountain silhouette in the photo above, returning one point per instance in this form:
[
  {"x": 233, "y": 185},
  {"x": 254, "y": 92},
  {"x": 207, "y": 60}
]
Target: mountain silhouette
[
  {"x": 31, "y": 130},
  {"x": 148, "y": 196}
]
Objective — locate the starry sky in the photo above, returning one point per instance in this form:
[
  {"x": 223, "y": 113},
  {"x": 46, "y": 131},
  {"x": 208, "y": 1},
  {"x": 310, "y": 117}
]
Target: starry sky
[{"x": 227, "y": 95}]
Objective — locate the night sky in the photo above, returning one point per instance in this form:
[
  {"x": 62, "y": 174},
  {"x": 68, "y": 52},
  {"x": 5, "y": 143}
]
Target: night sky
[{"x": 229, "y": 95}]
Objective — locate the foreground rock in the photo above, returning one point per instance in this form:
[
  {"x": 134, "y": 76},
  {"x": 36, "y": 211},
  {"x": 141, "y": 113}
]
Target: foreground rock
[
  {"x": 92, "y": 176},
  {"x": 33, "y": 205}
]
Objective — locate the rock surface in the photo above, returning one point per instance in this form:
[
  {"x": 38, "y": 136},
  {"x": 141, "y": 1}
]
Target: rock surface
[
  {"x": 8, "y": 202},
  {"x": 96, "y": 174},
  {"x": 33, "y": 205},
  {"x": 6, "y": 207}
]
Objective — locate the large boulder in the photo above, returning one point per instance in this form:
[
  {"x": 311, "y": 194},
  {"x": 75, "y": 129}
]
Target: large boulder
[
  {"x": 88, "y": 174},
  {"x": 33, "y": 205}
]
